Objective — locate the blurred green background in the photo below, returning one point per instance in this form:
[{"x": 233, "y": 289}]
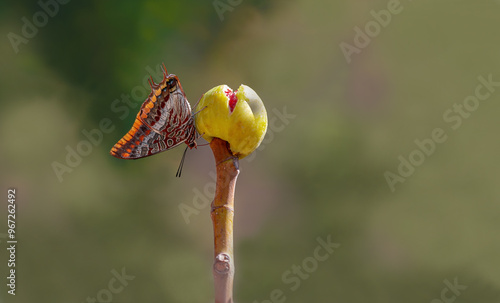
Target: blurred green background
[{"x": 336, "y": 128}]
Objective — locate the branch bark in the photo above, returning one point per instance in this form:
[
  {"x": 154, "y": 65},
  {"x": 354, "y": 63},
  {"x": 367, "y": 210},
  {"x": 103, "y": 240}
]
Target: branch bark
[{"x": 222, "y": 214}]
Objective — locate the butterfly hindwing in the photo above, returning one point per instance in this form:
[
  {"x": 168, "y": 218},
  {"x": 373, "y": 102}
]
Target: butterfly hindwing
[{"x": 163, "y": 122}]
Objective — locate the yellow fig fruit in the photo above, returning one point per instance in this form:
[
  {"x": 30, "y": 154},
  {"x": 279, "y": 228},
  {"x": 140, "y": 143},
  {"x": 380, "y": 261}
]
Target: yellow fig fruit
[{"x": 238, "y": 117}]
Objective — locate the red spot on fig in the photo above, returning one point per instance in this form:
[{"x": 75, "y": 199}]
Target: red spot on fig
[{"x": 232, "y": 99}]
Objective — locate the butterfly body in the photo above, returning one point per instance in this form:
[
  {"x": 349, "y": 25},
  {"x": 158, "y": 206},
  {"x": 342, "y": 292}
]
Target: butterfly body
[{"x": 163, "y": 122}]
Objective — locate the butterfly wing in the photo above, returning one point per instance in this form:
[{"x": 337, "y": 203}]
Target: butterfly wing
[{"x": 163, "y": 122}]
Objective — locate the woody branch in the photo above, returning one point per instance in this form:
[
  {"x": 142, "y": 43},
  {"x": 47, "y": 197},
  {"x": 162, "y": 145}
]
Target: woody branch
[{"x": 222, "y": 214}]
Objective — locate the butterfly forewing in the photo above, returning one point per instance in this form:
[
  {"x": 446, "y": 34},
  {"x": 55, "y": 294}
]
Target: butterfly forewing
[{"x": 163, "y": 122}]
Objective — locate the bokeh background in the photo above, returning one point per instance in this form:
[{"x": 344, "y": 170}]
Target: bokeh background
[{"x": 338, "y": 124}]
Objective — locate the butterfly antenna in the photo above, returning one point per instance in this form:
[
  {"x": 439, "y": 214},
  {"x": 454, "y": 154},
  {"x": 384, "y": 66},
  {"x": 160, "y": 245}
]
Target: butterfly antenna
[
  {"x": 179, "y": 170},
  {"x": 199, "y": 110},
  {"x": 197, "y": 105}
]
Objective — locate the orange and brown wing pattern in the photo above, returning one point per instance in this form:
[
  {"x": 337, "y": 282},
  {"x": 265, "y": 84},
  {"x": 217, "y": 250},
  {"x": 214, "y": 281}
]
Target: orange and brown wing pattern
[{"x": 163, "y": 122}]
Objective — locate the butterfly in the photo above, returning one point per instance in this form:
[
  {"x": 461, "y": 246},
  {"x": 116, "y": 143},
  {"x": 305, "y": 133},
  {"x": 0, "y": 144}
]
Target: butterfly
[{"x": 164, "y": 122}]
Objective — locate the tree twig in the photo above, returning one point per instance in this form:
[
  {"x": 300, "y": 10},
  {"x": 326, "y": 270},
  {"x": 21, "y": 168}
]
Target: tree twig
[{"x": 222, "y": 217}]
